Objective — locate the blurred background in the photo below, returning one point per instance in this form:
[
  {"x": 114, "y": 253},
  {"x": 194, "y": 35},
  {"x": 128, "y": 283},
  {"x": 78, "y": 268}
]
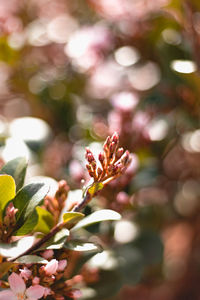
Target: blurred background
[{"x": 72, "y": 73}]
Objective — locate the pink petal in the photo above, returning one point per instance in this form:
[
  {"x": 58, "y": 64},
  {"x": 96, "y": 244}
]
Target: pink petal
[
  {"x": 17, "y": 284},
  {"x": 7, "y": 294},
  {"x": 35, "y": 292},
  {"x": 47, "y": 254},
  {"x": 62, "y": 265},
  {"x": 51, "y": 267}
]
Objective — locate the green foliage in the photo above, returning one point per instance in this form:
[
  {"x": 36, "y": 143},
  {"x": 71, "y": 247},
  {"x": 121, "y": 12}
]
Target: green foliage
[
  {"x": 45, "y": 220},
  {"x": 78, "y": 245},
  {"x": 98, "y": 216},
  {"x": 7, "y": 191},
  {"x": 57, "y": 241},
  {"x": 17, "y": 169},
  {"x": 95, "y": 187},
  {"x": 15, "y": 249},
  {"x": 26, "y": 201},
  {"x": 72, "y": 217},
  {"x": 31, "y": 259}
]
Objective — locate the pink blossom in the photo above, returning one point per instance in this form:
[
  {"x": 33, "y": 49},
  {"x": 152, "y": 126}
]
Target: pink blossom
[
  {"x": 25, "y": 273},
  {"x": 62, "y": 265},
  {"x": 47, "y": 291},
  {"x": 18, "y": 290},
  {"x": 51, "y": 267},
  {"x": 47, "y": 254},
  {"x": 35, "y": 280}
]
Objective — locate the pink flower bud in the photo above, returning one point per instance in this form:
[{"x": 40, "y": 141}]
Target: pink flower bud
[
  {"x": 35, "y": 280},
  {"x": 101, "y": 157},
  {"x": 51, "y": 267},
  {"x": 62, "y": 265},
  {"x": 112, "y": 147},
  {"x": 120, "y": 152},
  {"x": 99, "y": 171},
  {"x": 125, "y": 157},
  {"x": 90, "y": 157},
  {"x": 48, "y": 254},
  {"x": 115, "y": 137}
]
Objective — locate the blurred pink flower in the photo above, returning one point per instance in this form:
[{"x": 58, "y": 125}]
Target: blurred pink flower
[
  {"x": 85, "y": 46},
  {"x": 51, "y": 267},
  {"x": 18, "y": 290},
  {"x": 47, "y": 254},
  {"x": 124, "y": 101},
  {"x": 62, "y": 264},
  {"x": 25, "y": 273}
]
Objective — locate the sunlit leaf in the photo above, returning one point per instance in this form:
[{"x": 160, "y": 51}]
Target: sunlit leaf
[
  {"x": 72, "y": 217},
  {"x": 95, "y": 187},
  {"x": 7, "y": 191},
  {"x": 17, "y": 169},
  {"x": 57, "y": 241},
  {"x": 16, "y": 248},
  {"x": 45, "y": 220},
  {"x": 78, "y": 245},
  {"x": 31, "y": 259},
  {"x": 98, "y": 216}
]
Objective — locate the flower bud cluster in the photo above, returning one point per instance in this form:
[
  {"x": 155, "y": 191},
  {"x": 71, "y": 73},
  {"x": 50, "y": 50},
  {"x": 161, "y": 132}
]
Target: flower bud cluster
[
  {"x": 55, "y": 204},
  {"x": 113, "y": 161},
  {"x": 8, "y": 223}
]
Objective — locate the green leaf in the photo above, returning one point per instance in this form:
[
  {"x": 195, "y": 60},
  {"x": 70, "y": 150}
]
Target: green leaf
[
  {"x": 5, "y": 267},
  {"x": 95, "y": 187},
  {"x": 29, "y": 225},
  {"x": 26, "y": 201},
  {"x": 7, "y": 191},
  {"x": 31, "y": 259},
  {"x": 72, "y": 217},
  {"x": 45, "y": 220},
  {"x": 57, "y": 241},
  {"x": 78, "y": 245},
  {"x": 17, "y": 169},
  {"x": 98, "y": 216},
  {"x": 17, "y": 248}
]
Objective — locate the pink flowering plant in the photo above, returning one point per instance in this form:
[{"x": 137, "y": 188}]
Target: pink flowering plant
[{"x": 38, "y": 232}]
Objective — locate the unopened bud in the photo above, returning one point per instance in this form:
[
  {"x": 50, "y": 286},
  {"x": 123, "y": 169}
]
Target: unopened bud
[
  {"x": 112, "y": 147},
  {"x": 125, "y": 158},
  {"x": 119, "y": 153},
  {"x": 115, "y": 137},
  {"x": 107, "y": 143},
  {"x": 99, "y": 171},
  {"x": 93, "y": 163},
  {"x": 101, "y": 157},
  {"x": 90, "y": 157}
]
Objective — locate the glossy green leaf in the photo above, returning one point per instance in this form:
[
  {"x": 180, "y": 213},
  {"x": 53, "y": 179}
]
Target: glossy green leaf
[
  {"x": 29, "y": 224},
  {"x": 45, "y": 220},
  {"x": 72, "y": 217},
  {"x": 78, "y": 245},
  {"x": 17, "y": 169},
  {"x": 31, "y": 259},
  {"x": 16, "y": 248},
  {"x": 98, "y": 216},
  {"x": 57, "y": 241},
  {"x": 26, "y": 201},
  {"x": 7, "y": 191}
]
